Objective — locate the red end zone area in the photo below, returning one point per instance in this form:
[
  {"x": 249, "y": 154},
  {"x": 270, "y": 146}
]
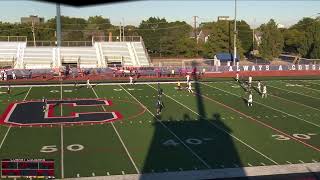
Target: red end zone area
[{"x": 32, "y": 113}]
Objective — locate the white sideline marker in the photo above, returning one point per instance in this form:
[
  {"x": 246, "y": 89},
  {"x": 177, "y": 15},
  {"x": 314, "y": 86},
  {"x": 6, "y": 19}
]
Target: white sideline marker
[
  {"x": 93, "y": 174},
  {"x": 288, "y": 162},
  {"x": 116, "y": 131},
  {"x": 314, "y": 161},
  {"x": 263, "y": 164},
  {"x": 235, "y": 165},
  {"x": 122, "y": 172},
  {"x": 301, "y": 161},
  {"x": 108, "y": 174}
]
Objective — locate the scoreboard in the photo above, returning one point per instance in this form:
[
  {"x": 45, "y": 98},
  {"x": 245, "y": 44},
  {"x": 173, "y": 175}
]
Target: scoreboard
[{"x": 30, "y": 168}]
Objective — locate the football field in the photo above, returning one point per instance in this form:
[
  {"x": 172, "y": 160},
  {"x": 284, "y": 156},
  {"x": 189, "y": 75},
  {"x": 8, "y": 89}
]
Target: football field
[{"x": 212, "y": 128}]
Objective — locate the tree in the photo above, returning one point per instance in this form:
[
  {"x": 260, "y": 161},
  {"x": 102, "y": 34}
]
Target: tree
[
  {"x": 293, "y": 39},
  {"x": 271, "y": 41},
  {"x": 221, "y": 39}
]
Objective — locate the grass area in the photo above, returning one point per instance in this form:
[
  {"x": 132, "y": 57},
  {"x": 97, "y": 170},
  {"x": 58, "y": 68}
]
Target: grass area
[{"x": 210, "y": 129}]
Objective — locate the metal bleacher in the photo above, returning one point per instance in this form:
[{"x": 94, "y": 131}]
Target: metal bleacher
[
  {"x": 38, "y": 57},
  {"x": 98, "y": 54},
  {"x": 84, "y": 56}
]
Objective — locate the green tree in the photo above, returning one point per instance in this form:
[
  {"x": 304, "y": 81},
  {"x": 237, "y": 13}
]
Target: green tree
[
  {"x": 221, "y": 39},
  {"x": 271, "y": 42}
]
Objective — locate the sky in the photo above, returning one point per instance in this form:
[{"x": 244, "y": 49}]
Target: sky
[{"x": 254, "y": 12}]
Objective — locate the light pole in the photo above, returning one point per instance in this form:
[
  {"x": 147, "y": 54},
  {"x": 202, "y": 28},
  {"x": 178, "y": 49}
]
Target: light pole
[{"x": 235, "y": 34}]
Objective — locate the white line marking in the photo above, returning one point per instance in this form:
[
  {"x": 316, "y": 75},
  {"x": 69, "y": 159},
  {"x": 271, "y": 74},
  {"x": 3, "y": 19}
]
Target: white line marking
[
  {"x": 124, "y": 146},
  {"x": 108, "y": 174},
  {"x": 289, "y": 162},
  {"x": 249, "y": 164},
  {"x": 93, "y": 174},
  {"x": 221, "y": 129},
  {"x": 176, "y": 136},
  {"x": 267, "y": 106},
  {"x": 122, "y": 172},
  {"x": 296, "y": 102},
  {"x": 61, "y": 139},
  {"x": 314, "y": 161},
  {"x": 8, "y": 130},
  {"x": 301, "y": 161},
  {"x": 294, "y": 92},
  {"x": 78, "y": 175},
  {"x": 263, "y": 164}
]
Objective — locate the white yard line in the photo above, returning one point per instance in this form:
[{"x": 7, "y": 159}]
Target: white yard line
[
  {"x": 176, "y": 136},
  {"x": 221, "y": 129},
  {"x": 266, "y": 106},
  {"x": 8, "y": 130},
  {"x": 294, "y": 92},
  {"x": 124, "y": 146},
  {"x": 61, "y": 137},
  {"x": 294, "y": 102}
]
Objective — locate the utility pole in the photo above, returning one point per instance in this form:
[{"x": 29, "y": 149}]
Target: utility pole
[
  {"x": 34, "y": 38},
  {"x": 195, "y": 26},
  {"x": 235, "y": 34},
  {"x": 123, "y": 30},
  {"x": 254, "y": 22},
  {"x": 120, "y": 31}
]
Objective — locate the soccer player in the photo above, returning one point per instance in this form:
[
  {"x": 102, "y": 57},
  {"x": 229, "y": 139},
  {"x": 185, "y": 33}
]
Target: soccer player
[
  {"x": 9, "y": 89},
  {"x": 160, "y": 91},
  {"x": 88, "y": 83},
  {"x": 250, "y": 80},
  {"x": 237, "y": 77},
  {"x": 190, "y": 88},
  {"x": 188, "y": 78},
  {"x": 250, "y": 100},
  {"x": 172, "y": 73},
  {"x": 264, "y": 91},
  {"x": 5, "y": 76},
  {"x": 179, "y": 86},
  {"x": 44, "y": 101},
  {"x": 259, "y": 86},
  {"x": 14, "y": 75},
  {"x": 131, "y": 79},
  {"x": 159, "y": 106}
]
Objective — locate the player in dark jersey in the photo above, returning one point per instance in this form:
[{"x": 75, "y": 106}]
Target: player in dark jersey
[{"x": 159, "y": 106}]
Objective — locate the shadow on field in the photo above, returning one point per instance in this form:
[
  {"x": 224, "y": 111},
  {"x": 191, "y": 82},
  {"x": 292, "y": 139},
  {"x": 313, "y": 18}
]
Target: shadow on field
[{"x": 194, "y": 144}]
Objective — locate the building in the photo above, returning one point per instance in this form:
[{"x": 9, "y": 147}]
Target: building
[
  {"x": 32, "y": 18},
  {"x": 223, "y": 18}
]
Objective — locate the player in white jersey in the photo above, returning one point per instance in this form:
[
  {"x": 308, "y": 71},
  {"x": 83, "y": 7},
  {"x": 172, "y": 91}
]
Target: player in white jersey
[
  {"x": 250, "y": 100},
  {"x": 190, "y": 88},
  {"x": 131, "y": 80},
  {"x": 237, "y": 77},
  {"x": 264, "y": 91},
  {"x": 14, "y": 75},
  {"x": 259, "y": 86},
  {"x": 188, "y": 78},
  {"x": 250, "y": 79},
  {"x": 5, "y": 76},
  {"x": 88, "y": 83}
]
